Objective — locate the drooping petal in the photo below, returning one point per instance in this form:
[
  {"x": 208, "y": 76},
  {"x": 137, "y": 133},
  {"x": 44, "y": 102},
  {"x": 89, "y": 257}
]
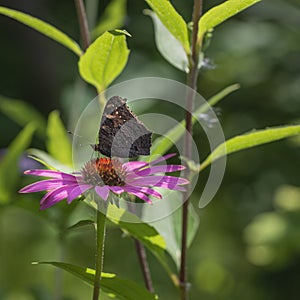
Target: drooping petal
[
  {"x": 133, "y": 165},
  {"x": 169, "y": 186},
  {"x": 154, "y": 180},
  {"x": 160, "y": 169},
  {"x": 141, "y": 196},
  {"x": 51, "y": 174},
  {"x": 117, "y": 189},
  {"x": 45, "y": 185},
  {"x": 77, "y": 191},
  {"x": 55, "y": 196},
  {"x": 102, "y": 191},
  {"x": 145, "y": 190}
]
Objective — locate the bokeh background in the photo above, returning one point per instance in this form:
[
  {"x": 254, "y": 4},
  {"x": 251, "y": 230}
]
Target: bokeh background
[{"x": 248, "y": 242}]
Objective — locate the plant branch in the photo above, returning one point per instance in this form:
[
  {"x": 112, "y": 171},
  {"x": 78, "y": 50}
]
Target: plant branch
[
  {"x": 192, "y": 79},
  {"x": 100, "y": 239},
  {"x": 141, "y": 252},
  {"x": 82, "y": 19}
]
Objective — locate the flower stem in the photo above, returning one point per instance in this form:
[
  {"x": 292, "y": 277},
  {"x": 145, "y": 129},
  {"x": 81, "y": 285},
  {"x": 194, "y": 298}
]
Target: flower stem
[
  {"x": 100, "y": 239},
  {"x": 141, "y": 252},
  {"x": 84, "y": 28},
  {"x": 192, "y": 79}
]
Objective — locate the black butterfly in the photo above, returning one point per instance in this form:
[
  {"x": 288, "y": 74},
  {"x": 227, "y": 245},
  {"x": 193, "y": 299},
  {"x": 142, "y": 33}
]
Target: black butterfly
[{"x": 121, "y": 134}]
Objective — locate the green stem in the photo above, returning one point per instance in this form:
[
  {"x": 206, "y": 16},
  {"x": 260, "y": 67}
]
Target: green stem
[
  {"x": 192, "y": 79},
  {"x": 100, "y": 240}
]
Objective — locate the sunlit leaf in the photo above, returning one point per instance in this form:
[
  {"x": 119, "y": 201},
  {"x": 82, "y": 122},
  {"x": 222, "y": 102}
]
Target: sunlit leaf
[
  {"x": 105, "y": 59},
  {"x": 170, "y": 226},
  {"x": 42, "y": 27},
  {"x": 142, "y": 232},
  {"x": 23, "y": 113},
  {"x": 81, "y": 223},
  {"x": 112, "y": 18},
  {"x": 9, "y": 165},
  {"x": 58, "y": 142},
  {"x": 220, "y": 13},
  {"x": 172, "y": 21},
  {"x": 48, "y": 161},
  {"x": 168, "y": 46},
  {"x": 193, "y": 224},
  {"x": 117, "y": 287},
  {"x": 249, "y": 140},
  {"x": 162, "y": 144}
]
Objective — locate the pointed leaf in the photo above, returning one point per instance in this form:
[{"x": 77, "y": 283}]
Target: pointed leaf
[
  {"x": 58, "y": 143},
  {"x": 23, "y": 113},
  {"x": 48, "y": 161},
  {"x": 105, "y": 59},
  {"x": 112, "y": 18},
  {"x": 81, "y": 223},
  {"x": 249, "y": 140},
  {"x": 168, "y": 46},
  {"x": 169, "y": 227},
  {"x": 172, "y": 21},
  {"x": 9, "y": 165},
  {"x": 142, "y": 232},
  {"x": 162, "y": 144},
  {"x": 220, "y": 13},
  {"x": 42, "y": 27},
  {"x": 117, "y": 287}
]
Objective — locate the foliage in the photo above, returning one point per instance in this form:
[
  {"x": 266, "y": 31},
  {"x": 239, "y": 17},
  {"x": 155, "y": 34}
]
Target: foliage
[{"x": 271, "y": 236}]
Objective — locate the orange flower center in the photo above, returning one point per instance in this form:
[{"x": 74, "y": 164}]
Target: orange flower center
[{"x": 104, "y": 171}]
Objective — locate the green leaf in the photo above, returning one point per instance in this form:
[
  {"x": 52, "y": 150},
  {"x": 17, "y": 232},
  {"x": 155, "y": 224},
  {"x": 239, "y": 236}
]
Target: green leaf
[
  {"x": 43, "y": 27},
  {"x": 58, "y": 143},
  {"x": 162, "y": 144},
  {"x": 9, "y": 165},
  {"x": 168, "y": 46},
  {"x": 249, "y": 140},
  {"x": 105, "y": 59},
  {"x": 23, "y": 113},
  {"x": 116, "y": 287},
  {"x": 193, "y": 224},
  {"x": 81, "y": 223},
  {"x": 220, "y": 13},
  {"x": 48, "y": 161},
  {"x": 112, "y": 18},
  {"x": 142, "y": 232},
  {"x": 172, "y": 21},
  {"x": 169, "y": 227}
]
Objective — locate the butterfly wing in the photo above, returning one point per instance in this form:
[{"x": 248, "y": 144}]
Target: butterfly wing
[{"x": 121, "y": 134}]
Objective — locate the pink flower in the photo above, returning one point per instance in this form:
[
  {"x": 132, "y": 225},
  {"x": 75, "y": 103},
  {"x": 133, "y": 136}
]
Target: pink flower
[{"x": 106, "y": 175}]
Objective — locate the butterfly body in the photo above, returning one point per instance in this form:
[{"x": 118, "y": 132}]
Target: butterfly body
[{"x": 121, "y": 134}]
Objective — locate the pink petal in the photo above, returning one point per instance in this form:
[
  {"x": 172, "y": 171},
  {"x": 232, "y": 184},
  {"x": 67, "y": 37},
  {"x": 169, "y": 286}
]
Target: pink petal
[
  {"x": 154, "y": 180},
  {"x": 51, "y": 174},
  {"x": 45, "y": 185},
  {"x": 55, "y": 196},
  {"x": 160, "y": 169},
  {"x": 117, "y": 189},
  {"x": 77, "y": 191},
  {"x": 171, "y": 186},
  {"x": 141, "y": 196},
  {"x": 102, "y": 191},
  {"x": 133, "y": 165},
  {"x": 145, "y": 190}
]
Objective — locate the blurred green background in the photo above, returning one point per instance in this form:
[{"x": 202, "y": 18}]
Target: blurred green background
[{"x": 248, "y": 243}]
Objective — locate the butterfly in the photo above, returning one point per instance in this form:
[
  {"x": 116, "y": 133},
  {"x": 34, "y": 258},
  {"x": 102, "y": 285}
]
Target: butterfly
[{"x": 121, "y": 134}]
